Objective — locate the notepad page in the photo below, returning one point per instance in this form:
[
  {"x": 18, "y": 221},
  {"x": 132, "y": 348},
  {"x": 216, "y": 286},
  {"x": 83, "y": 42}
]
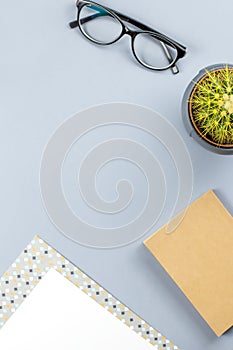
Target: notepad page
[{"x": 58, "y": 315}]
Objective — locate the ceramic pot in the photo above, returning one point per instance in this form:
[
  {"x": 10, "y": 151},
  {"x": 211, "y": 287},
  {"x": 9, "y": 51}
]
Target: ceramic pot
[{"x": 187, "y": 113}]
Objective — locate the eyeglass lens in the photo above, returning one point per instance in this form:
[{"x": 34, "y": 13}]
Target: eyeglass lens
[
  {"x": 151, "y": 52},
  {"x": 99, "y": 25}
]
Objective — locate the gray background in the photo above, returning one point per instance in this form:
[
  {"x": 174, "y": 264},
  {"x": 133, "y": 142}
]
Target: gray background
[{"x": 47, "y": 73}]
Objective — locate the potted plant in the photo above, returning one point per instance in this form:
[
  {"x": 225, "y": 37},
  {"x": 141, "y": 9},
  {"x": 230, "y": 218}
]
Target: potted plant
[{"x": 208, "y": 108}]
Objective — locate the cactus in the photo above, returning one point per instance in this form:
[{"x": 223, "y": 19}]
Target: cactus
[{"x": 212, "y": 106}]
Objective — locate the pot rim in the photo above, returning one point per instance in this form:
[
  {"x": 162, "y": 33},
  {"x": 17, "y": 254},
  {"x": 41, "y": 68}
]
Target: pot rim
[{"x": 215, "y": 144}]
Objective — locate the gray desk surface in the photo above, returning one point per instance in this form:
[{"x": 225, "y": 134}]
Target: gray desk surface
[{"x": 45, "y": 73}]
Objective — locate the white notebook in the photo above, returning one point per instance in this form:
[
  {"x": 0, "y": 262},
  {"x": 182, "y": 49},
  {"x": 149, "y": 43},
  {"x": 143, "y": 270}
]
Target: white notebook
[{"x": 58, "y": 315}]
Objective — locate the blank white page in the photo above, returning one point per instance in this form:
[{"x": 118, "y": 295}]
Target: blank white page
[{"x": 58, "y": 315}]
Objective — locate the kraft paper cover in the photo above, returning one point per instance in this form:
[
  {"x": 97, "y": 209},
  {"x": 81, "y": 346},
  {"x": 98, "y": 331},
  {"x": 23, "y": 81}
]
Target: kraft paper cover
[{"x": 198, "y": 255}]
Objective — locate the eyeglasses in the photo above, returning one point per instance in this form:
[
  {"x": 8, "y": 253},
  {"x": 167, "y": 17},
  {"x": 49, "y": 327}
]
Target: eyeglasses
[{"x": 105, "y": 26}]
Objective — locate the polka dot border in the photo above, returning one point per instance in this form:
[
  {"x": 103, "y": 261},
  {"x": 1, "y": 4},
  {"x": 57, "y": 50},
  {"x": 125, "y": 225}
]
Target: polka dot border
[{"x": 36, "y": 260}]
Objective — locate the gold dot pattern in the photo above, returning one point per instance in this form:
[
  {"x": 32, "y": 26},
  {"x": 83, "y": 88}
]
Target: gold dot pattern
[{"x": 36, "y": 260}]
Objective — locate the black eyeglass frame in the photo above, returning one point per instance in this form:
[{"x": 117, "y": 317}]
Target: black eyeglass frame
[{"x": 121, "y": 18}]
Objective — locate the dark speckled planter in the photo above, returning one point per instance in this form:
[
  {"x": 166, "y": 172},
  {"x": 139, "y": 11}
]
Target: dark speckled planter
[{"x": 188, "y": 121}]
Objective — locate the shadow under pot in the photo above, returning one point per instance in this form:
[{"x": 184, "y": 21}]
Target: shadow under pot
[{"x": 207, "y": 108}]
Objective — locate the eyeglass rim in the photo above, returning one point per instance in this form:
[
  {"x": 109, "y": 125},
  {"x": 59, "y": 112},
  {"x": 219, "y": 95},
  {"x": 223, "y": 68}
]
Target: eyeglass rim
[
  {"x": 171, "y": 64},
  {"x": 84, "y": 4}
]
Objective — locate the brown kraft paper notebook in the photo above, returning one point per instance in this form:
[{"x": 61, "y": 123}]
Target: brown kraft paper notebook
[{"x": 198, "y": 255}]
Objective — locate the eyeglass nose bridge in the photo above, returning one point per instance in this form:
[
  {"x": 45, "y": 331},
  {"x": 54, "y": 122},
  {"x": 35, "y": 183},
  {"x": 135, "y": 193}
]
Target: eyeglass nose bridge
[{"x": 130, "y": 32}]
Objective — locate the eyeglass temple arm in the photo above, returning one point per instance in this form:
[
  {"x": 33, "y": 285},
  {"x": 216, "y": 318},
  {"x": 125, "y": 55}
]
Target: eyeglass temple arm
[
  {"x": 147, "y": 28},
  {"x": 74, "y": 24},
  {"x": 100, "y": 13}
]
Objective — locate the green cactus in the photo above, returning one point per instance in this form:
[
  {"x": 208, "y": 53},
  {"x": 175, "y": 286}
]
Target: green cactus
[{"x": 212, "y": 106}]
